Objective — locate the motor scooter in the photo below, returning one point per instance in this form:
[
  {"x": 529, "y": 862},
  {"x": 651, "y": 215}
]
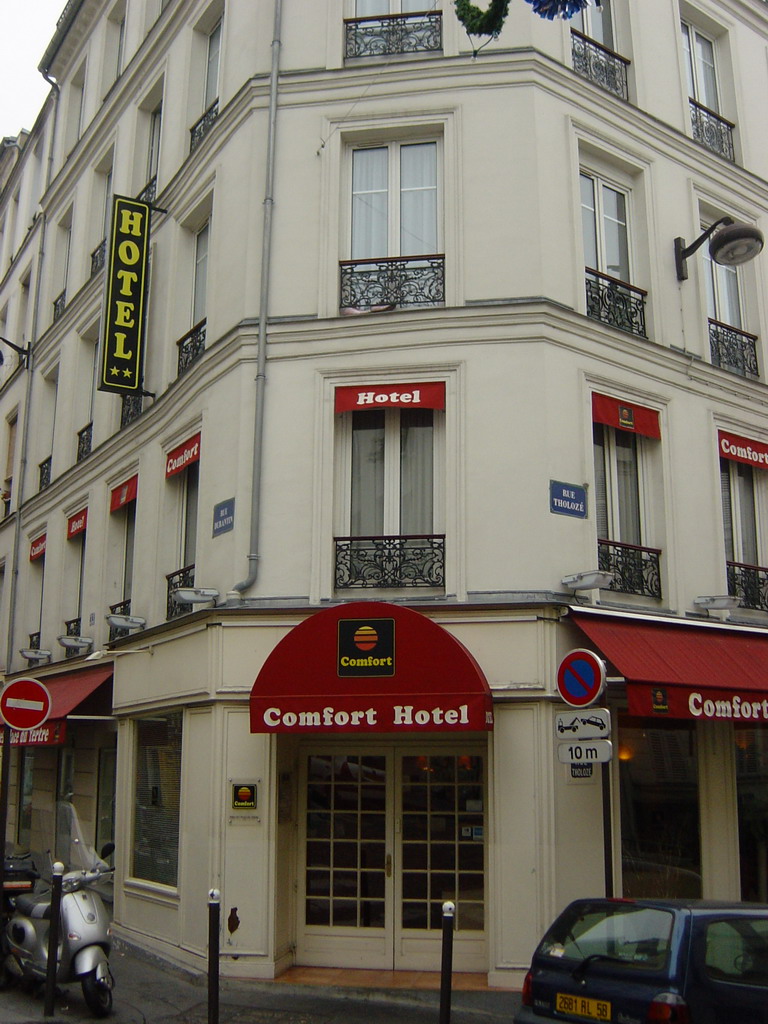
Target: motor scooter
[{"x": 84, "y": 929}]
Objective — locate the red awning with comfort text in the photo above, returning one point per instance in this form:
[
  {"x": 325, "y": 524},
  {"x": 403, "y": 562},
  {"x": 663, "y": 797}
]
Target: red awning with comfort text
[
  {"x": 686, "y": 671},
  {"x": 370, "y": 667},
  {"x": 68, "y": 692}
]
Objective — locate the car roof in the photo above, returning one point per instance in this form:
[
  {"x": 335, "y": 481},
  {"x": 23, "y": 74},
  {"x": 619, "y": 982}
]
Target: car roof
[{"x": 694, "y": 906}]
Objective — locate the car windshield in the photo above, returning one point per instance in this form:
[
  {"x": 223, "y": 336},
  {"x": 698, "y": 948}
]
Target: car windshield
[
  {"x": 635, "y": 935},
  {"x": 737, "y": 950}
]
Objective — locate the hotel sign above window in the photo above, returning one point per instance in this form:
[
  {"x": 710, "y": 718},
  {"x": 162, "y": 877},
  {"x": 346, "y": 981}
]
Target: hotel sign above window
[{"x": 124, "y": 316}]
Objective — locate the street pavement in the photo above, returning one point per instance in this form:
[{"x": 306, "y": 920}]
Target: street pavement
[{"x": 150, "y": 991}]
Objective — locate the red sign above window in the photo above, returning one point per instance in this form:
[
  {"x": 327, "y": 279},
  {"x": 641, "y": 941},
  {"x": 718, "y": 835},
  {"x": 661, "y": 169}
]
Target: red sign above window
[
  {"x": 740, "y": 449},
  {"x": 76, "y": 524},
  {"x": 37, "y": 548},
  {"x": 624, "y": 416},
  {"x": 124, "y": 493},
  {"x": 366, "y": 397},
  {"x": 178, "y": 460}
]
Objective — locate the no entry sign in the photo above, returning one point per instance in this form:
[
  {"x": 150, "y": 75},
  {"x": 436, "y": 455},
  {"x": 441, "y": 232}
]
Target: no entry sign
[
  {"x": 580, "y": 678},
  {"x": 25, "y": 704}
]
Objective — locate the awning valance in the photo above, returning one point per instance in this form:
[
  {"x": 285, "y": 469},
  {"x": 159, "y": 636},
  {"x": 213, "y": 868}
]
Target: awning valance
[
  {"x": 69, "y": 692},
  {"x": 625, "y": 416},
  {"x": 684, "y": 671},
  {"x": 742, "y": 449},
  {"x": 370, "y": 667}
]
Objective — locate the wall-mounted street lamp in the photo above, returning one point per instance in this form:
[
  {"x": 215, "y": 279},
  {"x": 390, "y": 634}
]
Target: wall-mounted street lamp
[
  {"x": 35, "y": 654},
  {"x": 194, "y": 595},
  {"x": 23, "y": 352},
  {"x": 75, "y": 643},
  {"x": 731, "y": 243},
  {"x": 125, "y": 621},
  {"x": 591, "y": 579},
  {"x": 717, "y": 602}
]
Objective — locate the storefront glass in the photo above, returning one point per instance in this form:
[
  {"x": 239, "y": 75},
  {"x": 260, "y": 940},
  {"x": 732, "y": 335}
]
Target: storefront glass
[
  {"x": 752, "y": 795},
  {"x": 156, "y": 797},
  {"x": 659, "y": 797}
]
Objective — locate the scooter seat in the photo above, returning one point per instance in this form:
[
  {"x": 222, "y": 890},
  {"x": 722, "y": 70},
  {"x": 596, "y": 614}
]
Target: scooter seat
[{"x": 37, "y": 905}]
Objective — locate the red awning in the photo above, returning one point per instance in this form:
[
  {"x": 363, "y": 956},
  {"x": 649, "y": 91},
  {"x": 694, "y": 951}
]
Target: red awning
[
  {"x": 685, "y": 671},
  {"x": 370, "y": 667},
  {"x": 68, "y": 691},
  {"x": 625, "y": 416}
]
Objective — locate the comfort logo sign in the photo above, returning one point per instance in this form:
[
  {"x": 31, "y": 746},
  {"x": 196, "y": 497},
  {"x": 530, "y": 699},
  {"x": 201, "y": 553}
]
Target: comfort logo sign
[{"x": 366, "y": 647}]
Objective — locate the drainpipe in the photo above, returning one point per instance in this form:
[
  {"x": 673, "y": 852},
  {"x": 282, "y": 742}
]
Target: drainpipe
[
  {"x": 235, "y": 595},
  {"x": 28, "y": 390}
]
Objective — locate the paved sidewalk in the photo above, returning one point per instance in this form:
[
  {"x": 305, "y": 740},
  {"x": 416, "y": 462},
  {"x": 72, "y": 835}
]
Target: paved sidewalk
[{"x": 149, "y": 991}]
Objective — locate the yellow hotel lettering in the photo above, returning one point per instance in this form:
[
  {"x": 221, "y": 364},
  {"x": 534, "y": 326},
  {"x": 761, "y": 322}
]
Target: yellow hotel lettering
[{"x": 123, "y": 350}]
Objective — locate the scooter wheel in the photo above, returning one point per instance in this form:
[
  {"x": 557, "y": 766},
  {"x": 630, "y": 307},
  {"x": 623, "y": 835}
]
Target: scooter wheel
[{"x": 98, "y": 997}]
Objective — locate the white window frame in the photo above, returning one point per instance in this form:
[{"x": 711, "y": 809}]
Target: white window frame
[
  {"x": 720, "y": 306},
  {"x": 153, "y": 146},
  {"x": 742, "y": 513},
  {"x": 592, "y": 22},
  {"x": 617, "y": 532},
  {"x": 599, "y": 217},
  {"x": 390, "y": 7},
  {"x": 697, "y": 89},
  {"x": 200, "y": 274},
  {"x": 212, "y": 65}
]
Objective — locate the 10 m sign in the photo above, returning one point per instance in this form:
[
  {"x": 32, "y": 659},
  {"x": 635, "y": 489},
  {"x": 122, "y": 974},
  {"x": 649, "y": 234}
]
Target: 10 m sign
[{"x": 584, "y": 751}]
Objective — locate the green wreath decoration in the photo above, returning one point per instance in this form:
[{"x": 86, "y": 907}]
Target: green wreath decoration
[{"x": 482, "y": 23}]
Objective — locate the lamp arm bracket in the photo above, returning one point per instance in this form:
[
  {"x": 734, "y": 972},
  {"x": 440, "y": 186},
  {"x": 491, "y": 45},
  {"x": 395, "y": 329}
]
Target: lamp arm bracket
[{"x": 683, "y": 251}]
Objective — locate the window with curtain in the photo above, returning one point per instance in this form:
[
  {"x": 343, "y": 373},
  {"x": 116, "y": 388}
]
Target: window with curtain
[
  {"x": 157, "y": 790},
  {"x": 395, "y": 200},
  {"x": 699, "y": 53},
  {"x": 737, "y": 487},
  {"x": 605, "y": 227},
  {"x": 617, "y": 485}
]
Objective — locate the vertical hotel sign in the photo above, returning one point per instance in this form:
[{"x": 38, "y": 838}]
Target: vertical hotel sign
[{"x": 124, "y": 315}]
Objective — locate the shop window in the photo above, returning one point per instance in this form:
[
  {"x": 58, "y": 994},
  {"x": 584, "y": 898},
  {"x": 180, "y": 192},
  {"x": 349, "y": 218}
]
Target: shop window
[
  {"x": 659, "y": 796},
  {"x": 25, "y": 790},
  {"x": 752, "y": 802},
  {"x": 105, "y": 813},
  {"x": 157, "y": 789}
]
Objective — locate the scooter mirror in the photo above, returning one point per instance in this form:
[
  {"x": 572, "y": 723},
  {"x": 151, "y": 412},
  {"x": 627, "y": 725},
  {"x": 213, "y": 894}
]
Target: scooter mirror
[{"x": 107, "y": 849}]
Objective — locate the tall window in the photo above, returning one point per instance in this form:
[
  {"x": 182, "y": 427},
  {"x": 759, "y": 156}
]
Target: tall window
[
  {"x": 370, "y": 8},
  {"x": 128, "y": 549},
  {"x": 394, "y": 200},
  {"x": 617, "y": 485},
  {"x": 200, "y": 287},
  {"x": 10, "y": 457},
  {"x": 604, "y": 227},
  {"x": 722, "y": 284},
  {"x": 212, "y": 67},
  {"x": 153, "y": 153},
  {"x": 737, "y": 487},
  {"x": 189, "y": 516},
  {"x": 699, "y": 54},
  {"x": 597, "y": 23},
  {"x": 155, "y": 853}
]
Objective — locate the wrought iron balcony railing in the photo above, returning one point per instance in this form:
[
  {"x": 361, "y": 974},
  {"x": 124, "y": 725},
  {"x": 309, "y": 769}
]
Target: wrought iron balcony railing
[
  {"x": 392, "y": 283},
  {"x": 84, "y": 442},
  {"x": 636, "y": 569},
  {"x": 132, "y": 407},
  {"x": 200, "y": 128},
  {"x": 149, "y": 193},
  {"x": 712, "y": 130},
  {"x": 59, "y": 305},
  {"x": 749, "y": 583},
  {"x": 393, "y": 33},
  {"x": 98, "y": 257},
  {"x": 409, "y": 561},
  {"x": 732, "y": 349},
  {"x": 615, "y": 302},
  {"x": 34, "y": 641},
  {"x": 191, "y": 347},
  {"x": 181, "y": 578},
  {"x": 121, "y": 608},
  {"x": 44, "y": 473},
  {"x": 72, "y": 627},
  {"x": 600, "y": 65}
]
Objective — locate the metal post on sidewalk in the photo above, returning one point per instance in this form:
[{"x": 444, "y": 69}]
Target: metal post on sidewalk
[
  {"x": 446, "y": 965},
  {"x": 214, "y": 914},
  {"x": 53, "y": 939}
]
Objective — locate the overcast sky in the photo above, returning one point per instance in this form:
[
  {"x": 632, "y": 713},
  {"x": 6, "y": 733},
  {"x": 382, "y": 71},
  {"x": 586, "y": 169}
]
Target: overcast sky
[{"x": 27, "y": 28}]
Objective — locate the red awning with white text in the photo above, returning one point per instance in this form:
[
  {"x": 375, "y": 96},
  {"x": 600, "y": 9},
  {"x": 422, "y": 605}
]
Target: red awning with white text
[{"x": 71, "y": 691}]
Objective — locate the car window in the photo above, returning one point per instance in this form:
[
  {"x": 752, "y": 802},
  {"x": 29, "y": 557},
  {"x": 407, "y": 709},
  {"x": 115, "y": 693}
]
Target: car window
[
  {"x": 737, "y": 950},
  {"x": 639, "y": 936}
]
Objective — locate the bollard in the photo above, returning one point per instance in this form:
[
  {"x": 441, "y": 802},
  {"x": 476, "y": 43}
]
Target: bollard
[
  {"x": 53, "y": 939},
  {"x": 446, "y": 965},
  {"x": 214, "y": 913}
]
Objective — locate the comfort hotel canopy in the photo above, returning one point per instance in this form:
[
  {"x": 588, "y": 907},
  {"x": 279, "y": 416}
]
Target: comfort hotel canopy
[
  {"x": 370, "y": 667},
  {"x": 684, "y": 670}
]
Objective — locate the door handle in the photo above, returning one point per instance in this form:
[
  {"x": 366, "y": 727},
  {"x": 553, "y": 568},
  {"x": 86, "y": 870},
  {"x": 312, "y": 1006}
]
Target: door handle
[{"x": 388, "y": 866}]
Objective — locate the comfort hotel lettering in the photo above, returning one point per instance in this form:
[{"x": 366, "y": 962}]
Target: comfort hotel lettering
[{"x": 123, "y": 348}]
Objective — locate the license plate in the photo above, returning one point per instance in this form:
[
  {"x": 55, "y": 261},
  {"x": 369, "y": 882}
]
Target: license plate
[{"x": 580, "y": 1006}]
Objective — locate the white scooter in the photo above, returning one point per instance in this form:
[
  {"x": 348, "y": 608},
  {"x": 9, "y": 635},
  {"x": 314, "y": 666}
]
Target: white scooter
[{"x": 84, "y": 930}]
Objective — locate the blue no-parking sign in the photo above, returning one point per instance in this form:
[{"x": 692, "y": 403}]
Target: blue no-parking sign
[{"x": 580, "y": 678}]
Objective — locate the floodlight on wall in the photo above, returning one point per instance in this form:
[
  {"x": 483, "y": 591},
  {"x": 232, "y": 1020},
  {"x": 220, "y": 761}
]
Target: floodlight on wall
[
  {"x": 125, "y": 621},
  {"x": 75, "y": 643},
  {"x": 35, "y": 654},
  {"x": 717, "y": 601},
  {"x": 194, "y": 595},
  {"x": 592, "y": 579},
  {"x": 730, "y": 243}
]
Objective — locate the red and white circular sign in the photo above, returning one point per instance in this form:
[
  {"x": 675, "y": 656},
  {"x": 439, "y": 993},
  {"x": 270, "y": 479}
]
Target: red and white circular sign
[{"x": 25, "y": 704}]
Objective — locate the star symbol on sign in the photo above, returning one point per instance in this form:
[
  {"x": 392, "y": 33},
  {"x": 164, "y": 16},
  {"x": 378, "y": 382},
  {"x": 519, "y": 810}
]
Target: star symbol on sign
[
  {"x": 114, "y": 371},
  {"x": 127, "y": 373}
]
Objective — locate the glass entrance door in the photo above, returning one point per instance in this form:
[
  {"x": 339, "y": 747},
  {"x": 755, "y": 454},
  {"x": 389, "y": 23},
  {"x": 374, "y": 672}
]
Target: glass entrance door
[{"x": 388, "y": 836}]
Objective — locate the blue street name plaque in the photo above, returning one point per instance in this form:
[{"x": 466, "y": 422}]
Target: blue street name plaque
[{"x": 567, "y": 499}]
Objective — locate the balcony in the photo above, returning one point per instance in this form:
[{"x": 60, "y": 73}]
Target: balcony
[
  {"x": 636, "y": 569},
  {"x": 72, "y": 628},
  {"x": 200, "y": 128},
  {"x": 393, "y": 33},
  {"x": 131, "y": 408},
  {"x": 44, "y": 473},
  {"x": 59, "y": 305},
  {"x": 391, "y": 283},
  {"x": 749, "y": 583},
  {"x": 98, "y": 257},
  {"x": 149, "y": 193},
  {"x": 84, "y": 442},
  {"x": 409, "y": 561},
  {"x": 600, "y": 65},
  {"x": 732, "y": 349},
  {"x": 712, "y": 131},
  {"x": 191, "y": 347},
  {"x": 181, "y": 578},
  {"x": 615, "y": 302},
  {"x": 121, "y": 608}
]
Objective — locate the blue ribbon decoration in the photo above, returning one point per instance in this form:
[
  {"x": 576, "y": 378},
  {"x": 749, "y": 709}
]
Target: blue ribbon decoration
[{"x": 559, "y": 8}]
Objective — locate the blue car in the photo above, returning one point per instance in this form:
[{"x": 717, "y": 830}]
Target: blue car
[{"x": 639, "y": 961}]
